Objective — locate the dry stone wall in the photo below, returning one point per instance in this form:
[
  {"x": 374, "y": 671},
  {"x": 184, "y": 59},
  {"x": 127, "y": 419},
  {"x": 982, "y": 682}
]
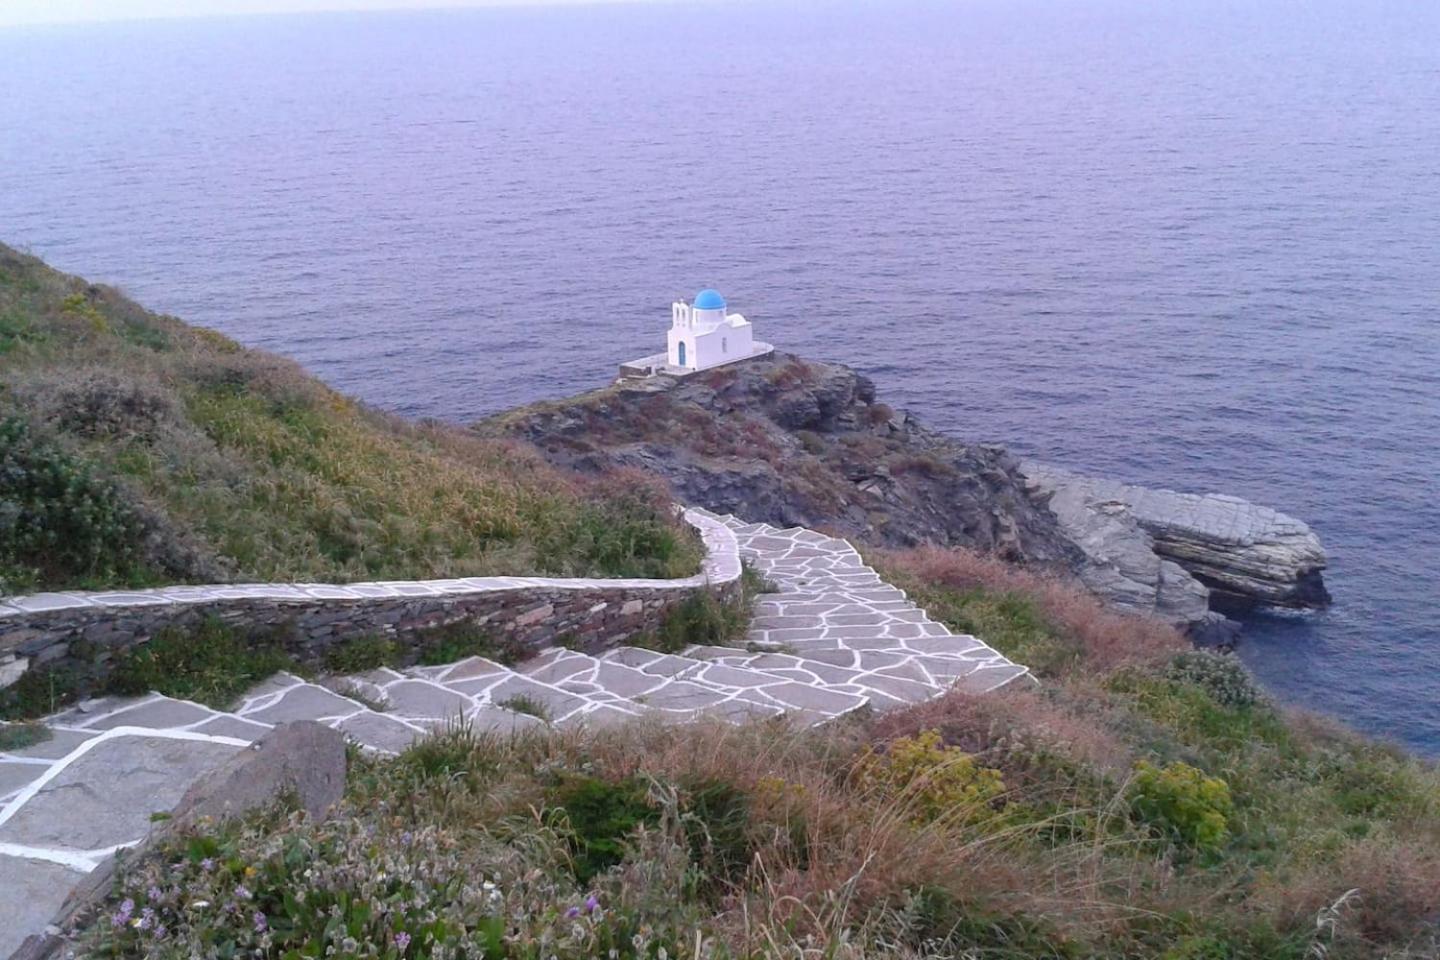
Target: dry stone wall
[{"x": 81, "y": 632}]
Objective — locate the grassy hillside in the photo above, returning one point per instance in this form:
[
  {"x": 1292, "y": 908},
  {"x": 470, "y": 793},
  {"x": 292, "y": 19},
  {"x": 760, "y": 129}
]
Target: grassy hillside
[
  {"x": 1144, "y": 802},
  {"x": 135, "y": 450}
]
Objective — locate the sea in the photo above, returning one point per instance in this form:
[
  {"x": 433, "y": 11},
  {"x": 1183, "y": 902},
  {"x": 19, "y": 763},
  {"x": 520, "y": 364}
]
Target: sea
[{"x": 1193, "y": 244}]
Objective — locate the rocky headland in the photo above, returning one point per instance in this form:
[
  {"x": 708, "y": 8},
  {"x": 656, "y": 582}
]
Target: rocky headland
[{"x": 796, "y": 442}]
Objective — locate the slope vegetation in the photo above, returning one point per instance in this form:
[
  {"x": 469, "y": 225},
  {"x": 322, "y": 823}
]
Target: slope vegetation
[{"x": 136, "y": 449}]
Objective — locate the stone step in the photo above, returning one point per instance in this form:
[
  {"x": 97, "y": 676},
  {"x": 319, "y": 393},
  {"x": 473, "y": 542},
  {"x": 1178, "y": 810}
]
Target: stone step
[
  {"x": 494, "y": 687},
  {"x": 670, "y": 685},
  {"x": 893, "y": 675}
]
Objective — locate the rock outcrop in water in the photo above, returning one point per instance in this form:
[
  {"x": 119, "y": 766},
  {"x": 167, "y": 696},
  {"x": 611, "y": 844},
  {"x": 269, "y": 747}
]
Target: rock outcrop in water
[{"x": 1244, "y": 555}]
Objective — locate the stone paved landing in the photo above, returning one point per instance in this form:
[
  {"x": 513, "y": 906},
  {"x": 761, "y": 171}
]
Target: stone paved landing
[{"x": 834, "y": 638}]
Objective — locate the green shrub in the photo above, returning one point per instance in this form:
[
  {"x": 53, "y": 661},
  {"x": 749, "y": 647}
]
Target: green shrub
[
  {"x": 210, "y": 663},
  {"x": 1223, "y": 677},
  {"x": 40, "y": 690},
  {"x": 16, "y": 330},
  {"x": 717, "y": 817},
  {"x": 60, "y": 523},
  {"x": 359, "y": 654},
  {"x": 601, "y": 816},
  {"x": 1181, "y": 803},
  {"x": 932, "y": 781},
  {"x": 811, "y": 442}
]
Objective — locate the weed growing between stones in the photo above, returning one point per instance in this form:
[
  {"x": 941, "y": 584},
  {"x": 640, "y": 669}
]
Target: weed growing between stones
[
  {"x": 701, "y": 618},
  {"x": 520, "y": 703},
  {"x": 753, "y": 582},
  {"x": 705, "y": 619},
  {"x": 210, "y": 663},
  {"x": 18, "y": 736},
  {"x": 361, "y": 654},
  {"x": 456, "y": 641}
]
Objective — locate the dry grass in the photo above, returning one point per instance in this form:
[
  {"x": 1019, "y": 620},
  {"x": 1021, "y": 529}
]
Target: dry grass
[
  {"x": 769, "y": 840},
  {"x": 1102, "y": 639}
]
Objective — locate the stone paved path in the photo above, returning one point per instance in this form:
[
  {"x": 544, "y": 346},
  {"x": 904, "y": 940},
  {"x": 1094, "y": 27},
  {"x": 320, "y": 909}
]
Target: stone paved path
[{"x": 832, "y": 639}]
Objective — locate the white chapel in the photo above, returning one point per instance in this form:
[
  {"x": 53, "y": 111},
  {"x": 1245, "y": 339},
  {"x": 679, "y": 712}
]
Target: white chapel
[{"x": 703, "y": 335}]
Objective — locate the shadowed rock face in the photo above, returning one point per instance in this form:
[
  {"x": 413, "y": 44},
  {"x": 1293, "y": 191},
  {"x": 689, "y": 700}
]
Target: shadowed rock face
[
  {"x": 798, "y": 443},
  {"x": 1245, "y": 554}
]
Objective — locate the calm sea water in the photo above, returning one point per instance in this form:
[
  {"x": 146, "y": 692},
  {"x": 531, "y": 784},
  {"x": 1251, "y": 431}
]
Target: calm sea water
[{"x": 1193, "y": 243}]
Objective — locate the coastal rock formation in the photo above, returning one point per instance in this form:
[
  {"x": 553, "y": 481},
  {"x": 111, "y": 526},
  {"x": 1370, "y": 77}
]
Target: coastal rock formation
[
  {"x": 1122, "y": 564},
  {"x": 1244, "y": 554},
  {"x": 799, "y": 443}
]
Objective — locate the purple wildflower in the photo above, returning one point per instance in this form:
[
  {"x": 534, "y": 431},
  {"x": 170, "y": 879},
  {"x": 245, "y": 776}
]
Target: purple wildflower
[
  {"x": 242, "y": 892},
  {"x": 592, "y": 903},
  {"x": 261, "y": 924},
  {"x": 154, "y": 892},
  {"x": 207, "y": 864},
  {"x": 122, "y": 916},
  {"x": 402, "y": 940},
  {"x": 572, "y": 913}
]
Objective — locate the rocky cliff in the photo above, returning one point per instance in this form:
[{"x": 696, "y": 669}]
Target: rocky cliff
[
  {"x": 798, "y": 443},
  {"x": 793, "y": 442}
]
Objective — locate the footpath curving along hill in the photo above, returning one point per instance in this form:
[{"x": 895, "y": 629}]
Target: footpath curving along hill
[
  {"x": 137, "y": 450},
  {"x": 831, "y": 640}
]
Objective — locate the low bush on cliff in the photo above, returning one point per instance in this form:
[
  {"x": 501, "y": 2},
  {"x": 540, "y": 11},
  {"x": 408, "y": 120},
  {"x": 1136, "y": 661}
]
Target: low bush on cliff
[
  {"x": 62, "y": 523},
  {"x": 136, "y": 449}
]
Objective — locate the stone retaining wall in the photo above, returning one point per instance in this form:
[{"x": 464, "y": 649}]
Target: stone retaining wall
[{"x": 81, "y": 632}]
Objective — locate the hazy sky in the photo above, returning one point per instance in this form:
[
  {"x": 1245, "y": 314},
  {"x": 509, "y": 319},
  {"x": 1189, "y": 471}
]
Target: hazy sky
[{"x": 13, "y": 12}]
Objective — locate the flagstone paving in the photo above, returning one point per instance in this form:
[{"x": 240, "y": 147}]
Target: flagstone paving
[{"x": 832, "y": 639}]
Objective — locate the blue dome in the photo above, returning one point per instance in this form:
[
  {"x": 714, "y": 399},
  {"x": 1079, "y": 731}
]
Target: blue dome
[{"x": 709, "y": 300}]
